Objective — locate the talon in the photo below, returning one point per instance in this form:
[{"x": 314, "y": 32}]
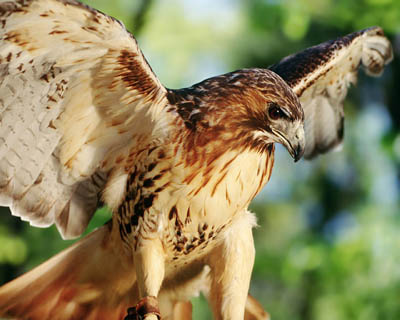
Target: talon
[
  {"x": 132, "y": 314},
  {"x": 147, "y": 308}
]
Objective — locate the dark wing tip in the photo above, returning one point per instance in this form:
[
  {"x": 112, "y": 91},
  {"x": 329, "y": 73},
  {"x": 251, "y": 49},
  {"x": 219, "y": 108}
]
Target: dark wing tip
[
  {"x": 377, "y": 51},
  {"x": 316, "y": 65}
]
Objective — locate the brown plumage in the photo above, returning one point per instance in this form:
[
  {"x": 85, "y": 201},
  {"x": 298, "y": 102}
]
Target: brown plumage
[
  {"x": 321, "y": 75},
  {"x": 178, "y": 168}
]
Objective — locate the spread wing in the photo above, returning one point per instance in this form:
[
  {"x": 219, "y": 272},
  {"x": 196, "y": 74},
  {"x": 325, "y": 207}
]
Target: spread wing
[
  {"x": 321, "y": 75},
  {"x": 73, "y": 88}
]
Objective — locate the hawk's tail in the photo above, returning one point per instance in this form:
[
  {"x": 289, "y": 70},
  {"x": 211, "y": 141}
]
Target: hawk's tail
[
  {"x": 91, "y": 280},
  {"x": 86, "y": 281}
]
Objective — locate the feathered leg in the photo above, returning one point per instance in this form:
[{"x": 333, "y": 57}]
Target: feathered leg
[
  {"x": 231, "y": 265},
  {"x": 253, "y": 309},
  {"x": 149, "y": 266}
]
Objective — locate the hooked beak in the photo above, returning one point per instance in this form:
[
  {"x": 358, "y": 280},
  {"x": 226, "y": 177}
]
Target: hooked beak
[
  {"x": 297, "y": 151},
  {"x": 295, "y": 143}
]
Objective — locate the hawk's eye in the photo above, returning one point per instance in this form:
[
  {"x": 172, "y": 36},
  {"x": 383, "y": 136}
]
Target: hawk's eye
[{"x": 275, "y": 112}]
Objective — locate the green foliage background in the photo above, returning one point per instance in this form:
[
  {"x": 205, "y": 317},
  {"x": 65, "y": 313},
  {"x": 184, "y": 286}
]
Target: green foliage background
[{"x": 328, "y": 245}]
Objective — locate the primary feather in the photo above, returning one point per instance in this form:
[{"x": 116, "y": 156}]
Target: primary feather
[
  {"x": 75, "y": 90},
  {"x": 321, "y": 76},
  {"x": 84, "y": 119}
]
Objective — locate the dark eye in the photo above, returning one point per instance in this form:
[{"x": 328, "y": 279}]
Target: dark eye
[{"x": 275, "y": 112}]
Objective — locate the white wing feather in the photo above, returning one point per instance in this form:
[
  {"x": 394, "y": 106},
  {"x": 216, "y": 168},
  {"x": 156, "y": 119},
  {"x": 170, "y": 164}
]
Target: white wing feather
[{"x": 73, "y": 88}]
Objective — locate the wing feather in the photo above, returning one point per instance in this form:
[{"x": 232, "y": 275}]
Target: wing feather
[
  {"x": 321, "y": 75},
  {"x": 76, "y": 94}
]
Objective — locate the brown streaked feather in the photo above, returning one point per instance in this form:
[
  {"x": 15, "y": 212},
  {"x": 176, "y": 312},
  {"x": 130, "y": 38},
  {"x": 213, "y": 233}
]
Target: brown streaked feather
[
  {"x": 78, "y": 108},
  {"x": 321, "y": 75},
  {"x": 227, "y": 108},
  {"x": 178, "y": 168}
]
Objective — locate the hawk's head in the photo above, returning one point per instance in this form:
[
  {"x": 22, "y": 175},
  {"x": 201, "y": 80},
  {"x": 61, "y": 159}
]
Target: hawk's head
[
  {"x": 275, "y": 115},
  {"x": 249, "y": 107}
]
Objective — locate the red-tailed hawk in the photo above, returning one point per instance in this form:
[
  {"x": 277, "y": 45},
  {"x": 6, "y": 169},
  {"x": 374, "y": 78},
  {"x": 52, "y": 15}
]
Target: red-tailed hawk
[{"x": 85, "y": 120}]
